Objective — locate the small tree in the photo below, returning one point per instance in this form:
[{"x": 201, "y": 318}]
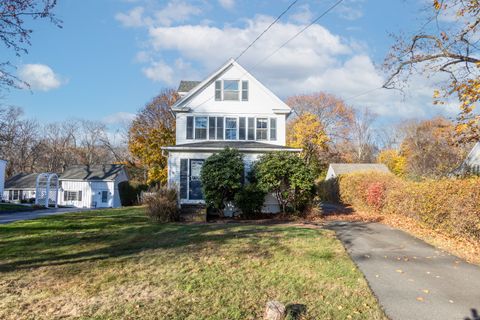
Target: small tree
[
  {"x": 286, "y": 176},
  {"x": 221, "y": 177}
]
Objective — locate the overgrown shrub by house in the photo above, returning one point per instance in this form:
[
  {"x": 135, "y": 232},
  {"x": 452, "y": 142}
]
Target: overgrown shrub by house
[
  {"x": 162, "y": 205},
  {"x": 250, "y": 200},
  {"x": 130, "y": 192},
  {"x": 288, "y": 177},
  {"x": 222, "y": 177},
  {"x": 450, "y": 205}
]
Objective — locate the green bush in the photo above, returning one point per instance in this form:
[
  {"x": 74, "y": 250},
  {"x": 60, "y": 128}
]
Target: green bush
[
  {"x": 250, "y": 200},
  {"x": 451, "y": 205},
  {"x": 222, "y": 177},
  {"x": 162, "y": 205},
  {"x": 288, "y": 177},
  {"x": 130, "y": 192}
]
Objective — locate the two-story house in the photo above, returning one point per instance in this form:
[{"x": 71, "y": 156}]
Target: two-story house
[{"x": 230, "y": 108}]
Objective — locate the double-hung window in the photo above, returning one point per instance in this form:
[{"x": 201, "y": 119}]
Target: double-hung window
[
  {"x": 273, "y": 129},
  {"x": 231, "y": 90},
  {"x": 244, "y": 90},
  {"x": 230, "y": 128},
  {"x": 262, "y": 127},
  {"x": 200, "y": 128},
  {"x": 251, "y": 129},
  {"x": 241, "y": 128}
]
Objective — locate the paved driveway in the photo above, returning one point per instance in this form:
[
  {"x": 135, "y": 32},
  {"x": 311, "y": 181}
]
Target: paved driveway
[
  {"x": 8, "y": 217},
  {"x": 411, "y": 279}
]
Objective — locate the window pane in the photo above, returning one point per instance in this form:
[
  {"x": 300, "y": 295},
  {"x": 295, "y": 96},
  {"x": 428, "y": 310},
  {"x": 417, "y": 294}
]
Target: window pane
[
  {"x": 273, "y": 129},
  {"x": 230, "y": 89},
  {"x": 219, "y": 128},
  {"x": 262, "y": 124},
  {"x": 244, "y": 90},
  {"x": 189, "y": 127},
  {"x": 251, "y": 128},
  {"x": 200, "y": 127},
  {"x": 218, "y": 90},
  {"x": 231, "y": 128},
  {"x": 241, "y": 128},
  {"x": 211, "y": 128},
  {"x": 230, "y": 85}
]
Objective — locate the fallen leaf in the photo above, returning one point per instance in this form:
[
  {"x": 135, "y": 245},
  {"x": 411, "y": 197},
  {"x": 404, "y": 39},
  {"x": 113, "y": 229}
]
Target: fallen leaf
[
  {"x": 399, "y": 271},
  {"x": 420, "y": 299},
  {"x": 451, "y": 301},
  {"x": 426, "y": 290}
]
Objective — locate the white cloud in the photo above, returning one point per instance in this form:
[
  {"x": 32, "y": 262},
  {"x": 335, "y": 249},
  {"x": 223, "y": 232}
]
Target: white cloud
[
  {"x": 351, "y": 9},
  {"x": 40, "y": 77},
  {"x": 160, "y": 72},
  {"x": 304, "y": 15},
  {"x": 134, "y": 18},
  {"x": 317, "y": 60},
  {"x": 119, "y": 118},
  {"x": 227, "y": 4},
  {"x": 174, "y": 11}
]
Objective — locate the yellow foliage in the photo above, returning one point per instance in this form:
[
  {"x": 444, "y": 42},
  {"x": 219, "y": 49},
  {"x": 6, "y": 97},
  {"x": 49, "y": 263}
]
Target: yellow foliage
[
  {"x": 307, "y": 132},
  {"x": 396, "y": 162}
]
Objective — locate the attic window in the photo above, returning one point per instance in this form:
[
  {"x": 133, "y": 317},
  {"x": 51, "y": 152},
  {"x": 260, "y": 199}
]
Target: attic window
[{"x": 231, "y": 89}]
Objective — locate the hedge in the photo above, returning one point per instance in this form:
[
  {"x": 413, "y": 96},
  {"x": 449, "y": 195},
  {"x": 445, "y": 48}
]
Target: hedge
[{"x": 451, "y": 205}]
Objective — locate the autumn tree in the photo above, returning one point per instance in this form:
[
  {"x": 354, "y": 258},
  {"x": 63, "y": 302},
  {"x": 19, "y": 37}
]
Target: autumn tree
[
  {"x": 443, "y": 47},
  {"x": 395, "y": 161},
  {"x": 333, "y": 114},
  {"x": 306, "y": 132},
  {"x": 153, "y": 128},
  {"x": 15, "y": 33},
  {"x": 429, "y": 148}
]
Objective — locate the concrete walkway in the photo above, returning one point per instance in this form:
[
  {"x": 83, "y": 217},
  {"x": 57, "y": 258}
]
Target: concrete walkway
[
  {"x": 411, "y": 279},
  {"x": 8, "y": 217}
]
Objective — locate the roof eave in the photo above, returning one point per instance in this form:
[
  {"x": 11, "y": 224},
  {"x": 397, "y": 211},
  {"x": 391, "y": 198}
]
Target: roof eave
[{"x": 180, "y": 148}]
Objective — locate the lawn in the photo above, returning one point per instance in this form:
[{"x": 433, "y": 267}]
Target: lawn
[
  {"x": 115, "y": 264},
  {"x": 9, "y": 207}
]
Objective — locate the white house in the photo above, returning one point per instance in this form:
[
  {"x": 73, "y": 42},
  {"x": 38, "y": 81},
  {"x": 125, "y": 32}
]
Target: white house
[
  {"x": 3, "y": 164},
  {"x": 471, "y": 164},
  {"x": 229, "y": 108},
  {"x": 20, "y": 187},
  {"x": 94, "y": 186},
  {"x": 336, "y": 169}
]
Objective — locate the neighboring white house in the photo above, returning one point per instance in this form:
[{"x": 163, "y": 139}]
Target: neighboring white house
[
  {"x": 20, "y": 187},
  {"x": 94, "y": 186},
  {"x": 3, "y": 164},
  {"x": 230, "y": 108},
  {"x": 336, "y": 169}
]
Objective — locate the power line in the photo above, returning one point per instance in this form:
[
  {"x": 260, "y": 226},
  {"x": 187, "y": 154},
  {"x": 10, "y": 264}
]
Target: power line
[
  {"x": 264, "y": 31},
  {"x": 285, "y": 43},
  {"x": 300, "y": 32}
]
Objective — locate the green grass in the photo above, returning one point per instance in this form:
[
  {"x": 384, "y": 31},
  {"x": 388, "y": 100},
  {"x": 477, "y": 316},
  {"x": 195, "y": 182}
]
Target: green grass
[
  {"x": 115, "y": 264},
  {"x": 10, "y": 207}
]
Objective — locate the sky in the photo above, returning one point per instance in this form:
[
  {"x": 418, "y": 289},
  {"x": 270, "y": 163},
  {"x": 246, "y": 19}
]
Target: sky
[{"x": 112, "y": 56}]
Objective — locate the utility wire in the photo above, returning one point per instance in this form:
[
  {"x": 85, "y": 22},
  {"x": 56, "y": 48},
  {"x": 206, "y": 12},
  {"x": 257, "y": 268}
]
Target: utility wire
[{"x": 264, "y": 31}]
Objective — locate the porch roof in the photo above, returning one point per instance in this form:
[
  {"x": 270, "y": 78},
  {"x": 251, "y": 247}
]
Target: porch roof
[{"x": 251, "y": 146}]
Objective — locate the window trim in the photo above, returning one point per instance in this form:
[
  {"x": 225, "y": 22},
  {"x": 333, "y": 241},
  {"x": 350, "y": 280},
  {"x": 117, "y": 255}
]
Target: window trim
[
  {"x": 263, "y": 129},
  {"x": 245, "y": 90},
  {"x": 195, "y": 128},
  {"x": 236, "y": 129},
  {"x": 238, "y": 91}
]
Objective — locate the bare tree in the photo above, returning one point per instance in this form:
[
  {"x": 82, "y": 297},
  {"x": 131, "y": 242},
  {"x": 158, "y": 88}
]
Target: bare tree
[
  {"x": 15, "y": 34},
  {"x": 362, "y": 137}
]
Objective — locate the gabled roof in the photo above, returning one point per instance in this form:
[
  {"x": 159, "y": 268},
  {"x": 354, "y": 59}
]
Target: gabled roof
[
  {"x": 240, "y": 145},
  {"x": 181, "y": 105},
  {"x": 344, "y": 168},
  {"x": 22, "y": 181},
  {"x": 99, "y": 172},
  {"x": 187, "y": 85}
]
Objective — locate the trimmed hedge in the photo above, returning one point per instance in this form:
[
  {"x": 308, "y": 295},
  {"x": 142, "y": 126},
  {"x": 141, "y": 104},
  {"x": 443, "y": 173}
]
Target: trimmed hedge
[{"x": 451, "y": 205}]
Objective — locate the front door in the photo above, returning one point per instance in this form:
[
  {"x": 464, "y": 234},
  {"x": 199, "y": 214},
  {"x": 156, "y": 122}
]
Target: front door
[{"x": 195, "y": 185}]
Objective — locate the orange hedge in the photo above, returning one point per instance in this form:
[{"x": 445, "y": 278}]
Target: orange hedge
[{"x": 452, "y": 205}]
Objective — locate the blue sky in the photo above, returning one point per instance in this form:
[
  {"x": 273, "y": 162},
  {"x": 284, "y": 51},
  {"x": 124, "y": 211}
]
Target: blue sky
[{"x": 112, "y": 56}]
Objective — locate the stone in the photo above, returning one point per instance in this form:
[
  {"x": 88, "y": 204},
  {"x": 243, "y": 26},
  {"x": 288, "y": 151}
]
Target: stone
[{"x": 274, "y": 310}]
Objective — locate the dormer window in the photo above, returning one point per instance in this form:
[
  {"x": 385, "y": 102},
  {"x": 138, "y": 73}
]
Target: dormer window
[{"x": 230, "y": 90}]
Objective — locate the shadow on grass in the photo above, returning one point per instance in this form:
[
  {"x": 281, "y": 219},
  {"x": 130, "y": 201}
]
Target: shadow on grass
[{"x": 76, "y": 238}]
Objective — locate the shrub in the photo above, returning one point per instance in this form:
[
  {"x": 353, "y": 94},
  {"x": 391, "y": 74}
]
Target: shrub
[
  {"x": 222, "y": 177},
  {"x": 286, "y": 176},
  {"x": 250, "y": 200},
  {"x": 130, "y": 192},
  {"x": 162, "y": 205},
  {"x": 450, "y": 205}
]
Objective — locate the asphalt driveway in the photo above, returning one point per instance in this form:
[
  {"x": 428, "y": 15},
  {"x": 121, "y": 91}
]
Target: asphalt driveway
[
  {"x": 411, "y": 279},
  {"x": 8, "y": 217}
]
